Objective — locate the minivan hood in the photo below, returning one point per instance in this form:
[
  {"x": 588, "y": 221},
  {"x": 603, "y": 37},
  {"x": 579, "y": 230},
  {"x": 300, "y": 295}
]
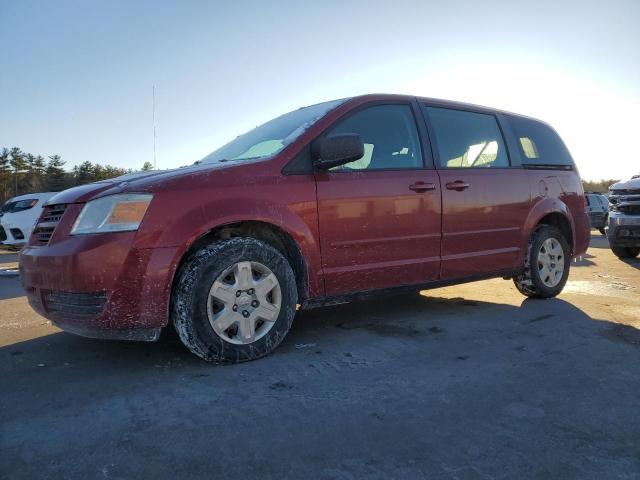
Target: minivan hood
[
  {"x": 129, "y": 182},
  {"x": 633, "y": 184}
]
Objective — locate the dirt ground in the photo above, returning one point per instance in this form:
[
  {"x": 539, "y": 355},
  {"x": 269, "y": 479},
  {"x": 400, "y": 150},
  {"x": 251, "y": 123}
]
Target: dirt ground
[{"x": 464, "y": 382}]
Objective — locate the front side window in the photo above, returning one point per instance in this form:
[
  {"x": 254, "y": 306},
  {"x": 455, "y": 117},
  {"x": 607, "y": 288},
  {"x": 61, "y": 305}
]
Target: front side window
[
  {"x": 390, "y": 138},
  {"x": 539, "y": 144},
  {"x": 270, "y": 138},
  {"x": 467, "y": 139}
]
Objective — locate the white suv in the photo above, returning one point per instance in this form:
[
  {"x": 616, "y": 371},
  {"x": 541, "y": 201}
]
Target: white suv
[{"x": 19, "y": 215}]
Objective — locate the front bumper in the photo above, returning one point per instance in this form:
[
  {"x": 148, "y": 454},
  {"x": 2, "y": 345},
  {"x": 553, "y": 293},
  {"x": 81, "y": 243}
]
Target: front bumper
[
  {"x": 100, "y": 286},
  {"x": 7, "y": 240},
  {"x": 623, "y": 230}
]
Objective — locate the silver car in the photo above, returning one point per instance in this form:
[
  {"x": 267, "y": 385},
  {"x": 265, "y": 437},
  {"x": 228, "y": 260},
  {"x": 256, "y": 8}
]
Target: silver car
[{"x": 623, "y": 229}]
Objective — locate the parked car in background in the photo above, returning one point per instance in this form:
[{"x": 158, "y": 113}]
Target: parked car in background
[
  {"x": 598, "y": 210},
  {"x": 623, "y": 228},
  {"x": 6, "y": 207},
  {"x": 325, "y": 204},
  {"x": 18, "y": 216}
]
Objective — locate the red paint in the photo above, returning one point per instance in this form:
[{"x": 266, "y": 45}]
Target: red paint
[
  {"x": 376, "y": 232},
  {"x": 356, "y": 231}
]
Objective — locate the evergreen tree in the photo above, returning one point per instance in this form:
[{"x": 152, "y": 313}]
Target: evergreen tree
[
  {"x": 5, "y": 176},
  {"x": 84, "y": 173},
  {"x": 18, "y": 165},
  {"x": 55, "y": 174}
]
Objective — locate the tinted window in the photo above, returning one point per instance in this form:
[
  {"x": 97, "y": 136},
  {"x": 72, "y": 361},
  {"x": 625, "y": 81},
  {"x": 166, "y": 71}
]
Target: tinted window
[
  {"x": 467, "y": 139},
  {"x": 390, "y": 138},
  {"x": 539, "y": 144}
]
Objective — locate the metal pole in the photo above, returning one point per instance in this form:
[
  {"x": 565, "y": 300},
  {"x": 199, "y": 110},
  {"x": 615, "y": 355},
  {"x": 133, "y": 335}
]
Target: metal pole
[{"x": 154, "y": 127}]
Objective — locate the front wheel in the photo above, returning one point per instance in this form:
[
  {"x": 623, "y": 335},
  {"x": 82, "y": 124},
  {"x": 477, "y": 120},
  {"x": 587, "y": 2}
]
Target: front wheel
[
  {"x": 547, "y": 264},
  {"x": 234, "y": 300},
  {"x": 625, "y": 252}
]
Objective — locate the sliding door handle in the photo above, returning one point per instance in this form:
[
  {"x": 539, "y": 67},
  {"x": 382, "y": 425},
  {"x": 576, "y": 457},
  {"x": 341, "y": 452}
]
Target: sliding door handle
[
  {"x": 422, "y": 187},
  {"x": 458, "y": 185}
]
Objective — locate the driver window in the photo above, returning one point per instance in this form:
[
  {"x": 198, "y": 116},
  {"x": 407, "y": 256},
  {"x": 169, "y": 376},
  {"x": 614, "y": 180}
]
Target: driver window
[
  {"x": 467, "y": 139},
  {"x": 390, "y": 138}
]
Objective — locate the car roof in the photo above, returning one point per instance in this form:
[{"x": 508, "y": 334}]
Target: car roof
[{"x": 440, "y": 102}]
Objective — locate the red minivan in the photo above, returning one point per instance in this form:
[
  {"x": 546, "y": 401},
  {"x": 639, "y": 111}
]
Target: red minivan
[{"x": 328, "y": 203}]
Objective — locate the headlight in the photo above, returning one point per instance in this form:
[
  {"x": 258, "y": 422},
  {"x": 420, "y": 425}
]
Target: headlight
[
  {"x": 115, "y": 213},
  {"x": 23, "y": 205}
]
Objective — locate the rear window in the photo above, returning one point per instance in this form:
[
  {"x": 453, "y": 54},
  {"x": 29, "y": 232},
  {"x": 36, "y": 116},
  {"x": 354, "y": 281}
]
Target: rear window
[{"x": 540, "y": 146}]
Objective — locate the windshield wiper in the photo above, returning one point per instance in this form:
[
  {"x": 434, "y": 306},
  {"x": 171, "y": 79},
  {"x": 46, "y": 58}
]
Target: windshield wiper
[{"x": 224, "y": 160}]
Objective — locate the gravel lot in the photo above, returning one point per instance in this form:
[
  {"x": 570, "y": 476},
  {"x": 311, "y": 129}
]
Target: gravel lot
[{"x": 465, "y": 382}]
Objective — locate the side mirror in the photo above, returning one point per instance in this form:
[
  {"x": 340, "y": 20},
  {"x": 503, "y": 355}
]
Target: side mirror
[{"x": 337, "y": 150}]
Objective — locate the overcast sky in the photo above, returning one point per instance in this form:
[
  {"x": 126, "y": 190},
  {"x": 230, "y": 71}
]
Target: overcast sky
[{"x": 77, "y": 76}]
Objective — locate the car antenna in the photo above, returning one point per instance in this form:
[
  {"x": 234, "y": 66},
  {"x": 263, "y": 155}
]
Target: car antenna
[{"x": 154, "y": 127}]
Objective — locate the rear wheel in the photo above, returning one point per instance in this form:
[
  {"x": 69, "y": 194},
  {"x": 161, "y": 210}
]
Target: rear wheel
[
  {"x": 604, "y": 224},
  {"x": 626, "y": 252},
  {"x": 234, "y": 300},
  {"x": 547, "y": 264}
]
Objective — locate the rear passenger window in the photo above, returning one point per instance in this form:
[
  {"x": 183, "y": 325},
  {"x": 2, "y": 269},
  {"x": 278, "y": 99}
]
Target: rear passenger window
[
  {"x": 390, "y": 138},
  {"x": 540, "y": 145},
  {"x": 467, "y": 139}
]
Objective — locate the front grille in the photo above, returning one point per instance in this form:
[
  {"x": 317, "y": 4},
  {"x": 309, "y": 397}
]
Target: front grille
[
  {"x": 47, "y": 224},
  {"x": 3, "y": 234},
  {"x": 629, "y": 209},
  {"x": 628, "y": 191},
  {"x": 625, "y": 201},
  {"x": 75, "y": 305}
]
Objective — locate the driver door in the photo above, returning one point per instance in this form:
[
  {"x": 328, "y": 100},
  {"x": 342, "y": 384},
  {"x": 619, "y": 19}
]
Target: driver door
[{"x": 379, "y": 216}]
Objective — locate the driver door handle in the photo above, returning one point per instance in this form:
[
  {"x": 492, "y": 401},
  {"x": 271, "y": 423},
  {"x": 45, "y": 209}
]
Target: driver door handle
[
  {"x": 422, "y": 186},
  {"x": 458, "y": 185}
]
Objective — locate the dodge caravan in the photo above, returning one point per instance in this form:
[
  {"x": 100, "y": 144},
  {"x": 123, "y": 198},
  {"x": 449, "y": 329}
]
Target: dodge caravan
[{"x": 326, "y": 204}]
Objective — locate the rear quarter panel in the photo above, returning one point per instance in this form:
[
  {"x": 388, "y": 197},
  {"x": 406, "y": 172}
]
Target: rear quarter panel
[{"x": 559, "y": 191}]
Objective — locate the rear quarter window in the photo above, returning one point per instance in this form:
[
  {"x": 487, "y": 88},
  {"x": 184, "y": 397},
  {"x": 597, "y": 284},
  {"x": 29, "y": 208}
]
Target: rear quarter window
[{"x": 540, "y": 146}]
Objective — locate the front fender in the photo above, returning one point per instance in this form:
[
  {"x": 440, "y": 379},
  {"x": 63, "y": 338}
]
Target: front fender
[{"x": 181, "y": 227}]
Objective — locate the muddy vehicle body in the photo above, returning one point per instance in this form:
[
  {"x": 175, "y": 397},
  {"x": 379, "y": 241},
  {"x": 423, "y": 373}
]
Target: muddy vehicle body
[{"x": 326, "y": 204}]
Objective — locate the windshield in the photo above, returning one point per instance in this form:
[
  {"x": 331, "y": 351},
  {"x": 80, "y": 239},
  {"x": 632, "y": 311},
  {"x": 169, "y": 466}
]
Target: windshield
[
  {"x": 7, "y": 206},
  {"x": 271, "y": 137}
]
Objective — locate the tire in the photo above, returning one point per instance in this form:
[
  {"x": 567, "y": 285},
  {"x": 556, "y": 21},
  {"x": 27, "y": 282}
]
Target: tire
[
  {"x": 625, "y": 252},
  {"x": 604, "y": 224},
  {"x": 205, "y": 294},
  {"x": 538, "y": 264}
]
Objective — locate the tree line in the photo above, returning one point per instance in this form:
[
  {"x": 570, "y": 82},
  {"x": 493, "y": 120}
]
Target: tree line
[
  {"x": 601, "y": 186},
  {"x": 22, "y": 173}
]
